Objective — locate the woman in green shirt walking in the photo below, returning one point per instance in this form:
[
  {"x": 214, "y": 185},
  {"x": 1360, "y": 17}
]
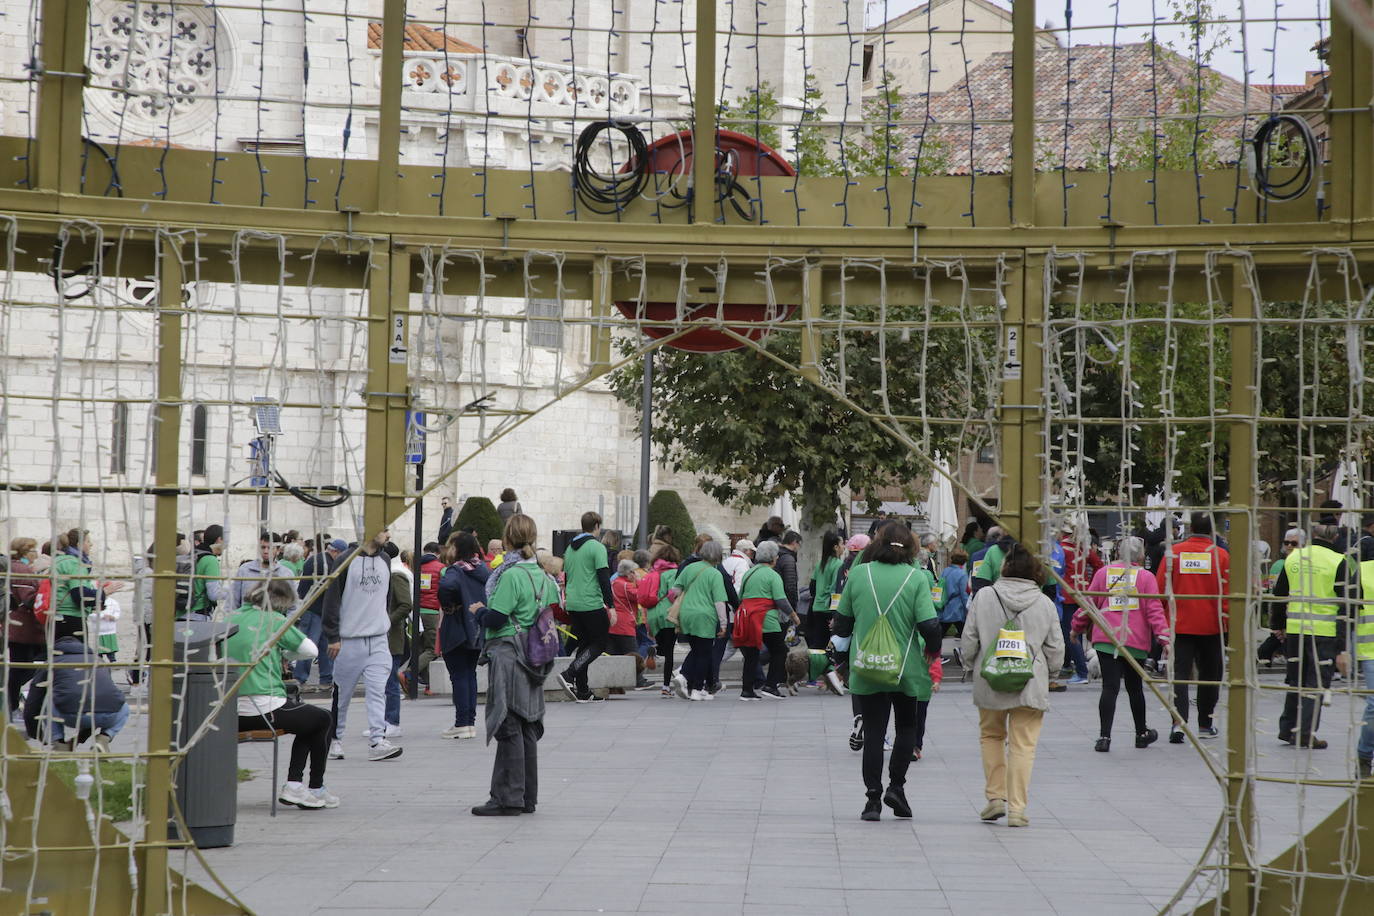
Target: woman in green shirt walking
[
  {"x": 888, "y": 591},
  {"x": 515, "y": 689},
  {"x": 701, "y": 616},
  {"x": 824, "y": 594}
]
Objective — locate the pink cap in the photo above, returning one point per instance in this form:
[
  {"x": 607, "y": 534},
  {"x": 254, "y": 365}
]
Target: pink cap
[{"x": 857, "y": 542}]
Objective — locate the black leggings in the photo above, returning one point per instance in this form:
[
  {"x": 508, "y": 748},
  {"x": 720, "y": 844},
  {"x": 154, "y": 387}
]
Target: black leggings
[
  {"x": 696, "y": 667},
  {"x": 776, "y": 644},
  {"x": 667, "y": 639},
  {"x": 1203, "y": 652},
  {"x": 21, "y": 652},
  {"x": 818, "y": 628},
  {"x": 592, "y": 629},
  {"x": 1114, "y": 670},
  {"x": 311, "y": 726},
  {"x": 875, "y": 708}
]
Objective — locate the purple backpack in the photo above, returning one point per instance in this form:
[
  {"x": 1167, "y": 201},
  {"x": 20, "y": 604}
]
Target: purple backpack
[{"x": 541, "y": 639}]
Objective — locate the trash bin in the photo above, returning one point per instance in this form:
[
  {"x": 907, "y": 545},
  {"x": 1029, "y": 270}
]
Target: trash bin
[
  {"x": 207, "y": 780},
  {"x": 562, "y": 538}
]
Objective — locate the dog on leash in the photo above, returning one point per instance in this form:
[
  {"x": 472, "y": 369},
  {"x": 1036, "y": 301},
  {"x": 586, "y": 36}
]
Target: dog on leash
[{"x": 804, "y": 665}]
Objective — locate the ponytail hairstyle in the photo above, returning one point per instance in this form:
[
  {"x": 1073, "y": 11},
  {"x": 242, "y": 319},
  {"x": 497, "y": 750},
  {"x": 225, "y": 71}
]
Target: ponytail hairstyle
[{"x": 520, "y": 535}]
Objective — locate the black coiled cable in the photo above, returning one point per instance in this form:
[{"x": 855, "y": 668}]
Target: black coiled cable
[
  {"x": 1297, "y": 185},
  {"x": 341, "y": 493},
  {"x": 602, "y": 193}
]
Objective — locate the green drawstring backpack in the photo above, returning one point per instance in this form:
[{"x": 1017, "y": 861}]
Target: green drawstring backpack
[
  {"x": 880, "y": 657},
  {"x": 1008, "y": 666}
]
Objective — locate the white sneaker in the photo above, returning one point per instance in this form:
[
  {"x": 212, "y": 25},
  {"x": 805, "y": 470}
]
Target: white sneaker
[
  {"x": 383, "y": 749},
  {"x": 1326, "y": 697},
  {"x": 299, "y": 796},
  {"x": 336, "y": 750},
  {"x": 329, "y": 798},
  {"x": 680, "y": 685},
  {"x": 392, "y": 731},
  {"x": 696, "y": 695},
  {"x": 832, "y": 680},
  {"x": 469, "y": 731},
  {"x": 453, "y": 731}
]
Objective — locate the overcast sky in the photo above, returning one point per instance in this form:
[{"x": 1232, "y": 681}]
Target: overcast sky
[{"x": 1285, "y": 60}]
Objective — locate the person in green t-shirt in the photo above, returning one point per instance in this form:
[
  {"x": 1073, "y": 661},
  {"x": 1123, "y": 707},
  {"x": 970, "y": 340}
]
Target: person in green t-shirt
[
  {"x": 587, "y": 573},
  {"x": 889, "y": 588},
  {"x": 762, "y": 602},
  {"x": 825, "y": 597},
  {"x": 701, "y": 616},
  {"x": 262, "y": 700},
  {"x": 515, "y": 690},
  {"x": 207, "y": 588}
]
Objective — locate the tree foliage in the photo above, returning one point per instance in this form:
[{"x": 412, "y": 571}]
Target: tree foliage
[
  {"x": 479, "y": 512},
  {"x": 667, "y": 508}
]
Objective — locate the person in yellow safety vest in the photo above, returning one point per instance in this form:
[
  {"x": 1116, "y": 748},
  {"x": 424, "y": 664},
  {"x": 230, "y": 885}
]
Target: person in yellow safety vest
[
  {"x": 1316, "y": 580},
  {"x": 1364, "y": 652}
]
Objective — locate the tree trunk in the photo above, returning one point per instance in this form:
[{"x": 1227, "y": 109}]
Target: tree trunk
[{"x": 817, "y": 517}]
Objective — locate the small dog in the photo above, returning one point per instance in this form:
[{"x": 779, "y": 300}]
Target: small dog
[{"x": 805, "y": 665}]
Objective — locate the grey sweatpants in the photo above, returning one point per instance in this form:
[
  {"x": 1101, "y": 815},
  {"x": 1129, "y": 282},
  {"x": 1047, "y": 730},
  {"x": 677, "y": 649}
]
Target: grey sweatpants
[{"x": 368, "y": 658}]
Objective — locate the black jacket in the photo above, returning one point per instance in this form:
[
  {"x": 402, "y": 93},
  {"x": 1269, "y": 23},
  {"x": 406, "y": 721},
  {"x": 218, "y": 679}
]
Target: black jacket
[
  {"x": 445, "y": 526},
  {"x": 787, "y": 568},
  {"x": 73, "y": 691},
  {"x": 459, "y": 590}
]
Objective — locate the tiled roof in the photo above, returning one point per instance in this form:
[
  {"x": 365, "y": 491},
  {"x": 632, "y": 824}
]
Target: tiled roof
[
  {"x": 1077, "y": 88},
  {"x": 422, "y": 38},
  {"x": 1281, "y": 88}
]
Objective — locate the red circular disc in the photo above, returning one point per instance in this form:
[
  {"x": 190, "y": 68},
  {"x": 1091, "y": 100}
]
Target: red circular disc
[{"x": 672, "y": 156}]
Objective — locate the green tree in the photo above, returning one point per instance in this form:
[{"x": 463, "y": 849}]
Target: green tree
[
  {"x": 479, "y": 512},
  {"x": 667, "y": 508},
  {"x": 752, "y": 431}
]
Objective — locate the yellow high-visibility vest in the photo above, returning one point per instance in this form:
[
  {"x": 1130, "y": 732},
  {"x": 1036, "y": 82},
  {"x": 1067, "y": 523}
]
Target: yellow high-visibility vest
[
  {"x": 1364, "y": 623},
  {"x": 1312, "y": 608}
]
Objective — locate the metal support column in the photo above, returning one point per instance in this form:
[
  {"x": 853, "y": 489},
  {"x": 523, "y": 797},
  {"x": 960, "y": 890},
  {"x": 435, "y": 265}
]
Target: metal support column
[
  {"x": 1030, "y": 356},
  {"x": 812, "y": 301},
  {"x": 599, "y": 347},
  {"x": 156, "y": 883},
  {"x": 60, "y": 83},
  {"x": 1023, "y": 113},
  {"x": 1013, "y": 448},
  {"x": 388, "y": 392},
  {"x": 389, "y": 114},
  {"x": 1240, "y": 725},
  {"x": 646, "y": 409},
  {"x": 704, "y": 117}
]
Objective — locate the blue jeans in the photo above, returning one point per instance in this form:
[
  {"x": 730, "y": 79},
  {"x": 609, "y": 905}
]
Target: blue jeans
[
  {"x": 312, "y": 625},
  {"x": 108, "y": 722},
  {"x": 1365, "y": 748},
  {"x": 393, "y": 690},
  {"x": 462, "y": 675},
  {"x": 1072, "y": 645},
  {"x": 643, "y": 640}
]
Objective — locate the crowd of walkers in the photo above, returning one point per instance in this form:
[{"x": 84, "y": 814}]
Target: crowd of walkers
[{"x": 871, "y": 619}]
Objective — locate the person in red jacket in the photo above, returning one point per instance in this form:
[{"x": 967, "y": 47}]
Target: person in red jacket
[
  {"x": 1196, "y": 575},
  {"x": 1079, "y": 568}
]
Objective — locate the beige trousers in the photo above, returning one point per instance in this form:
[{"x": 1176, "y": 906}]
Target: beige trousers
[{"x": 1008, "y": 739}]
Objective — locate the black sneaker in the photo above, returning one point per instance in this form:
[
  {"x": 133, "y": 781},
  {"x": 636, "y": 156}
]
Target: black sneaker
[
  {"x": 873, "y": 810},
  {"x": 856, "y": 736},
  {"x": 1146, "y": 738},
  {"x": 567, "y": 685},
  {"x": 895, "y": 799},
  {"x": 1176, "y": 735},
  {"x": 1103, "y": 745},
  {"x": 749, "y": 696},
  {"x": 770, "y": 693},
  {"x": 1366, "y": 768}
]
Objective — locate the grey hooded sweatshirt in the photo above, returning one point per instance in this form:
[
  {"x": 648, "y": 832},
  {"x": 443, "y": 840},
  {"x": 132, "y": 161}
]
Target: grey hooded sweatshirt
[
  {"x": 1040, "y": 621},
  {"x": 356, "y": 603}
]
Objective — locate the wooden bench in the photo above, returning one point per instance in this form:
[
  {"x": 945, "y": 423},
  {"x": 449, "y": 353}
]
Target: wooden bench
[{"x": 261, "y": 736}]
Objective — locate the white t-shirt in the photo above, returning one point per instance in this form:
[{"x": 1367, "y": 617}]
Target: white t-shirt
[{"x": 737, "y": 564}]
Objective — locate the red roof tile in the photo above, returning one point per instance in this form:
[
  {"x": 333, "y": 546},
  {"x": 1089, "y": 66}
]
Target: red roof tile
[
  {"x": 422, "y": 38},
  {"x": 1077, "y": 89}
]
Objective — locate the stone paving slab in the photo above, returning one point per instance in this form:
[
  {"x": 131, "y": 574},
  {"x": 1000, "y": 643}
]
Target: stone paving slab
[{"x": 662, "y": 806}]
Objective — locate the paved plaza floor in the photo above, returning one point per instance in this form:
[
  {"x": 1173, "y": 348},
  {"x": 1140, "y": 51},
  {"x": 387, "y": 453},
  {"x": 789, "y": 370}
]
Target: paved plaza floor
[{"x": 650, "y": 805}]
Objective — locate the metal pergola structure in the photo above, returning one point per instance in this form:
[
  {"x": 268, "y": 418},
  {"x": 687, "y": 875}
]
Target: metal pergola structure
[{"x": 384, "y": 219}]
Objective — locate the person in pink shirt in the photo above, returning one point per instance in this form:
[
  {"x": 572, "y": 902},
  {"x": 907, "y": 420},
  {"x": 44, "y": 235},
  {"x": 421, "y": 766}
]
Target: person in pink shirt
[{"x": 1127, "y": 598}]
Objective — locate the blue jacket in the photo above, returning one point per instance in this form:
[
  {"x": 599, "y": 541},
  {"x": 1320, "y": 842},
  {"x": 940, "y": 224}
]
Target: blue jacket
[
  {"x": 462, "y": 585},
  {"x": 955, "y": 583}
]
